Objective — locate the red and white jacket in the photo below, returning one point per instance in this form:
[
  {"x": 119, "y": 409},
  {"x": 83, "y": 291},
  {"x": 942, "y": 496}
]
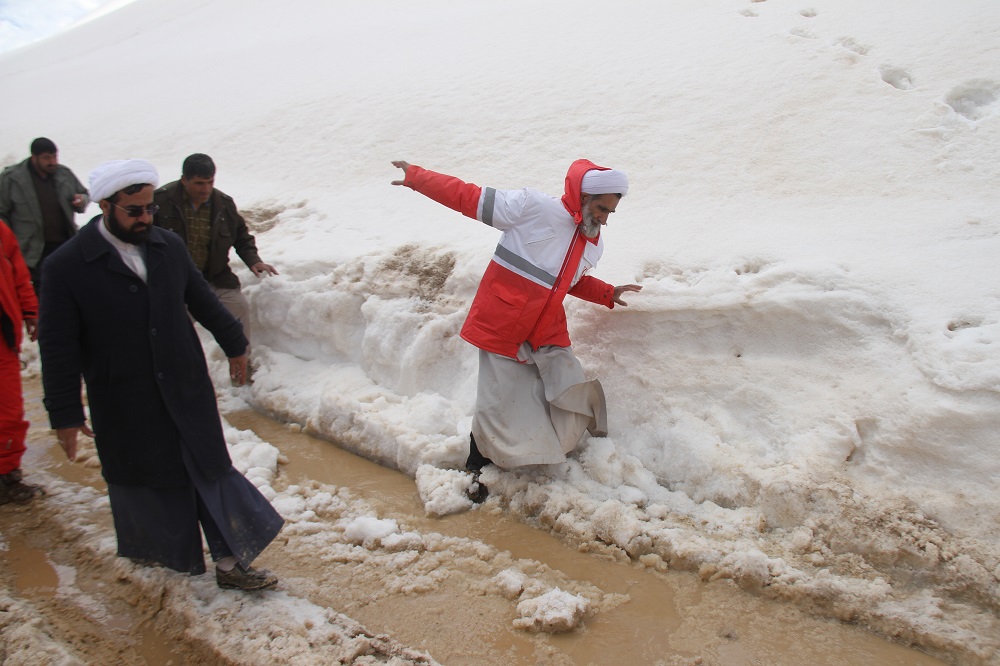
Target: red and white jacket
[{"x": 542, "y": 256}]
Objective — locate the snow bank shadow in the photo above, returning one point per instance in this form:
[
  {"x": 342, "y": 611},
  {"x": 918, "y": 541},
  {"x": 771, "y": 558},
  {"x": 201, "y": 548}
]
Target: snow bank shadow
[
  {"x": 725, "y": 375},
  {"x": 734, "y": 370},
  {"x": 369, "y": 355}
]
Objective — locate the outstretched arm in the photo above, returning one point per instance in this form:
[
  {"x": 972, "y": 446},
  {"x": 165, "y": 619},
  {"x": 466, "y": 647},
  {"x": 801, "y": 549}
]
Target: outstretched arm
[{"x": 446, "y": 190}]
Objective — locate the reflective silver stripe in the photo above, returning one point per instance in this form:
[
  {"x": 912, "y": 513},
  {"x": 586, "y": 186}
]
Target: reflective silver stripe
[
  {"x": 523, "y": 265},
  {"x": 488, "y": 198}
]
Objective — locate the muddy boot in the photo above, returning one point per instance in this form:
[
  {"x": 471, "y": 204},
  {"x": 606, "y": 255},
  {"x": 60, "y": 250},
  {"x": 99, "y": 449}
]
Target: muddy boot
[
  {"x": 12, "y": 489},
  {"x": 476, "y": 460},
  {"x": 477, "y": 492},
  {"x": 245, "y": 578}
]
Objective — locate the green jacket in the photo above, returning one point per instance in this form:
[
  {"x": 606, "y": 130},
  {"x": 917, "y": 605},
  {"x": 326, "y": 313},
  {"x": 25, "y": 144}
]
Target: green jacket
[
  {"x": 20, "y": 209},
  {"x": 229, "y": 230}
]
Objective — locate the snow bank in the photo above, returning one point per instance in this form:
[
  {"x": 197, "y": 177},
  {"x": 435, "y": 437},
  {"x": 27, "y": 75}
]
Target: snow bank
[{"x": 805, "y": 395}]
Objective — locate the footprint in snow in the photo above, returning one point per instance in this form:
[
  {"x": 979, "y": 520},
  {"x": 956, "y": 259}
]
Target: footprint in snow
[
  {"x": 853, "y": 45},
  {"x": 896, "y": 77},
  {"x": 974, "y": 99}
]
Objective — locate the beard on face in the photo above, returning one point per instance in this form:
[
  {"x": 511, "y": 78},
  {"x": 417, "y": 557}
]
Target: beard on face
[
  {"x": 134, "y": 236},
  {"x": 44, "y": 169},
  {"x": 589, "y": 225}
]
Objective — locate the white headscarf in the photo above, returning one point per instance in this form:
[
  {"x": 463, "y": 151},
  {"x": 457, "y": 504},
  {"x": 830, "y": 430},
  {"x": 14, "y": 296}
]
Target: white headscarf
[
  {"x": 607, "y": 181},
  {"x": 116, "y": 175}
]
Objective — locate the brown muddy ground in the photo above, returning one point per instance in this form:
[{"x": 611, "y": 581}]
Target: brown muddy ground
[{"x": 65, "y": 598}]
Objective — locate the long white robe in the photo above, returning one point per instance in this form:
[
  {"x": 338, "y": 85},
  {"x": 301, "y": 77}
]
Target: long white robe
[{"x": 535, "y": 411}]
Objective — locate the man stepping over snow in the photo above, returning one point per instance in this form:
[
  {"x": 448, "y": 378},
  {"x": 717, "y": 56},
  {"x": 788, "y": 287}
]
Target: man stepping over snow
[{"x": 533, "y": 402}]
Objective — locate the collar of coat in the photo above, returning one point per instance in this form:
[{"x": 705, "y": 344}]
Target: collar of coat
[
  {"x": 94, "y": 246},
  {"x": 21, "y": 172}
]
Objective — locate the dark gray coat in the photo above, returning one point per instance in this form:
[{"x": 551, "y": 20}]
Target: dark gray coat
[
  {"x": 20, "y": 208},
  {"x": 147, "y": 382}
]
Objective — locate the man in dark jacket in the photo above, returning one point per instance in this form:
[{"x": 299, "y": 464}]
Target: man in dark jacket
[
  {"x": 208, "y": 221},
  {"x": 115, "y": 306},
  {"x": 38, "y": 199}
]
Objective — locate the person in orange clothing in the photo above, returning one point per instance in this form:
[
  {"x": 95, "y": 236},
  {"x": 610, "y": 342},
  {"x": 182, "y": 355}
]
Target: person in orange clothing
[
  {"x": 18, "y": 312},
  {"x": 533, "y": 403}
]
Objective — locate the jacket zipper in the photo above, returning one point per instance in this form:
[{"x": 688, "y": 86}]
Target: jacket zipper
[{"x": 555, "y": 287}]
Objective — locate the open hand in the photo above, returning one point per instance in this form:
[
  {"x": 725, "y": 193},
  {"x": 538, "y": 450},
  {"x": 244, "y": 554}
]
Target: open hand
[
  {"x": 260, "y": 269},
  {"x": 68, "y": 438},
  {"x": 238, "y": 370},
  {"x": 622, "y": 289},
  {"x": 402, "y": 165},
  {"x": 31, "y": 327}
]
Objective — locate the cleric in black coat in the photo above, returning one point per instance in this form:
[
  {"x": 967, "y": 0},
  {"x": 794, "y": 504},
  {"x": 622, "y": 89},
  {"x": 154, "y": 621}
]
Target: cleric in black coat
[
  {"x": 139, "y": 355},
  {"x": 114, "y": 309}
]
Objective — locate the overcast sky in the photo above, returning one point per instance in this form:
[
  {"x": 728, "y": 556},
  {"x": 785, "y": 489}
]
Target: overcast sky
[{"x": 26, "y": 21}]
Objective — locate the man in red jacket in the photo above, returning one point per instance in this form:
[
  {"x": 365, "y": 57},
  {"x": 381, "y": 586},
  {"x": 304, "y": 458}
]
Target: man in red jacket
[
  {"x": 18, "y": 307},
  {"x": 533, "y": 403}
]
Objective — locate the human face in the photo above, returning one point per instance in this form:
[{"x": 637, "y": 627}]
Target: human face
[
  {"x": 198, "y": 189},
  {"x": 45, "y": 163},
  {"x": 134, "y": 230},
  {"x": 598, "y": 207}
]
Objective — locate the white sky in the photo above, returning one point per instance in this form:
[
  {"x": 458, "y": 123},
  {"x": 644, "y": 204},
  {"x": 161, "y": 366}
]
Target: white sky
[{"x": 25, "y": 21}]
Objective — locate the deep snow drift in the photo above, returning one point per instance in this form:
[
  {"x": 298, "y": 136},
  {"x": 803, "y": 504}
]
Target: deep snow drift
[{"x": 806, "y": 394}]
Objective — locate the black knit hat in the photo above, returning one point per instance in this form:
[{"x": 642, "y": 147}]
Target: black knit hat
[{"x": 42, "y": 145}]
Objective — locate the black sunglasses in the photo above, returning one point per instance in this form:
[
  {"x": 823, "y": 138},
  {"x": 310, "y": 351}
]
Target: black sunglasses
[{"x": 137, "y": 211}]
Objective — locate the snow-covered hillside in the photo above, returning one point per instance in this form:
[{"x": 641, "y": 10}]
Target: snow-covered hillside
[{"x": 806, "y": 394}]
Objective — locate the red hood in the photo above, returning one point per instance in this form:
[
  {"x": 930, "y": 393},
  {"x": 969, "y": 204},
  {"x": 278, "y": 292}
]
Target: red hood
[{"x": 574, "y": 181}]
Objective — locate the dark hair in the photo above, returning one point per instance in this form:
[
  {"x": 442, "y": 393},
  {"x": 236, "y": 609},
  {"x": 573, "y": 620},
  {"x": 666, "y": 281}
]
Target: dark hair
[
  {"x": 42, "y": 145},
  {"x": 198, "y": 165},
  {"x": 130, "y": 190}
]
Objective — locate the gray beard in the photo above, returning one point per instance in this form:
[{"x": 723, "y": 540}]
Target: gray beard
[{"x": 588, "y": 226}]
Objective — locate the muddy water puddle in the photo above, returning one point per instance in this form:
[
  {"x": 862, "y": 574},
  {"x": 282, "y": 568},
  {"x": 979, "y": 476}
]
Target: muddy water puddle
[{"x": 670, "y": 618}]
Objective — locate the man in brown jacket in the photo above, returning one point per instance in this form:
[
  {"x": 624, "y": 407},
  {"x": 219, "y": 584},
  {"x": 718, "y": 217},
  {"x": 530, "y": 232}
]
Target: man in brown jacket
[{"x": 209, "y": 222}]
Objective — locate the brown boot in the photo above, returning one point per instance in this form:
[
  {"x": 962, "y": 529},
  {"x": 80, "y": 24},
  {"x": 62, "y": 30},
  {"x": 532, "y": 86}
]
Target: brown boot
[
  {"x": 12, "y": 489},
  {"x": 245, "y": 578}
]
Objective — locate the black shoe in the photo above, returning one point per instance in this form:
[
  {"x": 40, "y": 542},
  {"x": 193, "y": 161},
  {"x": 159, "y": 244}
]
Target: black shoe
[
  {"x": 12, "y": 489},
  {"x": 477, "y": 492},
  {"x": 240, "y": 578},
  {"x": 476, "y": 460}
]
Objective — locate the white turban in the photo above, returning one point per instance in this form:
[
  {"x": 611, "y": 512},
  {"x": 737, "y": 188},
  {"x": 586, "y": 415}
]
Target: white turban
[
  {"x": 607, "y": 181},
  {"x": 116, "y": 175}
]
